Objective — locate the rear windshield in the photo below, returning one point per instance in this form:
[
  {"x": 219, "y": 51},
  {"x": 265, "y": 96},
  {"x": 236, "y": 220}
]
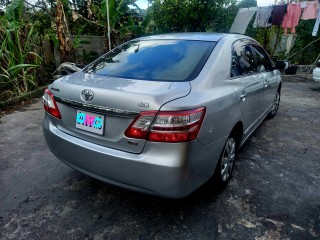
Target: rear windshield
[{"x": 162, "y": 60}]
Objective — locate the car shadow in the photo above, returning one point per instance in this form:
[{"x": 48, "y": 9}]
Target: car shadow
[{"x": 110, "y": 205}]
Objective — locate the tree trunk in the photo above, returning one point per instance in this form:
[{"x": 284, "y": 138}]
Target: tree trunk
[{"x": 63, "y": 45}]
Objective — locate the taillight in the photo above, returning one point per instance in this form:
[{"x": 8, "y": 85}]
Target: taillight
[
  {"x": 50, "y": 104},
  {"x": 140, "y": 125},
  {"x": 173, "y": 126}
]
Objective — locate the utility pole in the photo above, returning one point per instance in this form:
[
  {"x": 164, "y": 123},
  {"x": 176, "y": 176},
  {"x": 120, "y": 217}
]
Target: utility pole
[{"x": 109, "y": 40}]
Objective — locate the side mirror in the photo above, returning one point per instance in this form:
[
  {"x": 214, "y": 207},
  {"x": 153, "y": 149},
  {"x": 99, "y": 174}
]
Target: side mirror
[{"x": 282, "y": 64}]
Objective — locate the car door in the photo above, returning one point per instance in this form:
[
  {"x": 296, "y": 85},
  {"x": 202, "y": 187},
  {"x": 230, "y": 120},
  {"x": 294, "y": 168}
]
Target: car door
[
  {"x": 266, "y": 75},
  {"x": 247, "y": 84}
]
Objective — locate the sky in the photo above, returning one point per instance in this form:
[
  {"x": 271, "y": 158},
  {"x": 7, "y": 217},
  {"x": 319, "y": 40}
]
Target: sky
[
  {"x": 262, "y": 3},
  {"x": 144, "y": 3}
]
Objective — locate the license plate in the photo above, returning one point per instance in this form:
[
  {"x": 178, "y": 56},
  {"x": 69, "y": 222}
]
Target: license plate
[{"x": 90, "y": 122}]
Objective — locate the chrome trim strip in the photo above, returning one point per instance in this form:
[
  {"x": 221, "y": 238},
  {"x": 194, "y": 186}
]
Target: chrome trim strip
[{"x": 96, "y": 108}]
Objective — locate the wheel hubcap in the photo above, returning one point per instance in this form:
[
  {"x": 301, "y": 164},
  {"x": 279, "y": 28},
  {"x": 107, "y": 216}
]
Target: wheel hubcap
[
  {"x": 276, "y": 104},
  {"x": 227, "y": 160}
]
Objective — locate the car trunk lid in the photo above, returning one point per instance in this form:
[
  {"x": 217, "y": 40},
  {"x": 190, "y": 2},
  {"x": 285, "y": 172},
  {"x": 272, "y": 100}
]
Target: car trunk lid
[{"x": 116, "y": 100}]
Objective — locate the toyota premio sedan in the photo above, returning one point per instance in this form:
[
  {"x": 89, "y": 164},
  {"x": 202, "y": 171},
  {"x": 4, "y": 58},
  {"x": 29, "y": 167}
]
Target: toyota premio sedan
[{"x": 162, "y": 114}]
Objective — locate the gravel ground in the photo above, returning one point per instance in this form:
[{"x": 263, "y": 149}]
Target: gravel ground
[{"x": 274, "y": 192}]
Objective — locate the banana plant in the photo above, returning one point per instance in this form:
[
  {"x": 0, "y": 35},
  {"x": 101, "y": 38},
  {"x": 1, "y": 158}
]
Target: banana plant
[
  {"x": 18, "y": 61},
  {"x": 123, "y": 21}
]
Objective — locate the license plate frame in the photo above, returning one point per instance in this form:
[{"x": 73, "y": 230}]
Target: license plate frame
[{"x": 90, "y": 122}]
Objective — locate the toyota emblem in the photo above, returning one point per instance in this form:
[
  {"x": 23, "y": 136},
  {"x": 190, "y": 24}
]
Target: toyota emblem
[{"x": 87, "y": 95}]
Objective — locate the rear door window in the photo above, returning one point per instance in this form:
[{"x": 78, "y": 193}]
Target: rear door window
[
  {"x": 163, "y": 60},
  {"x": 263, "y": 61},
  {"x": 246, "y": 59}
]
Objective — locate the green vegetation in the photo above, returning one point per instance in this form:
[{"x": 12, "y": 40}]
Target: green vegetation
[
  {"x": 195, "y": 15},
  {"x": 304, "y": 37},
  {"x": 17, "y": 56}
]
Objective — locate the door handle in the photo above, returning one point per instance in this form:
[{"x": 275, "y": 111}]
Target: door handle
[{"x": 243, "y": 96}]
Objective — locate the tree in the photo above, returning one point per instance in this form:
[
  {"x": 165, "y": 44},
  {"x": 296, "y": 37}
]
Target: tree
[
  {"x": 179, "y": 15},
  {"x": 62, "y": 32},
  {"x": 125, "y": 22},
  {"x": 195, "y": 15}
]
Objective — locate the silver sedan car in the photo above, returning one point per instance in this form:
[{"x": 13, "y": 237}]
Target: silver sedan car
[{"x": 162, "y": 114}]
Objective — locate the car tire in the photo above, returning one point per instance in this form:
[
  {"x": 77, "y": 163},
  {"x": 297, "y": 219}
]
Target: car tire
[
  {"x": 275, "y": 105},
  {"x": 226, "y": 162}
]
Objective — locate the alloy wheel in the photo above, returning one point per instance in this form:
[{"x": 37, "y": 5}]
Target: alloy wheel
[
  {"x": 227, "y": 161},
  {"x": 276, "y": 104}
]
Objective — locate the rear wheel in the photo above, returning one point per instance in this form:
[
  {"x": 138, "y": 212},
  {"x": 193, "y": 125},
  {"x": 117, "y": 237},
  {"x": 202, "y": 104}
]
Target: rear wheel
[
  {"x": 226, "y": 162},
  {"x": 225, "y": 165},
  {"x": 227, "y": 159},
  {"x": 275, "y": 105}
]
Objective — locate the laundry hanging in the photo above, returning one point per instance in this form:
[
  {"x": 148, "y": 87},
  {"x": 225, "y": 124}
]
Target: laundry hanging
[
  {"x": 262, "y": 16},
  {"x": 304, "y": 4},
  {"x": 316, "y": 25},
  {"x": 277, "y": 14},
  {"x": 242, "y": 20},
  {"x": 291, "y": 19},
  {"x": 310, "y": 12}
]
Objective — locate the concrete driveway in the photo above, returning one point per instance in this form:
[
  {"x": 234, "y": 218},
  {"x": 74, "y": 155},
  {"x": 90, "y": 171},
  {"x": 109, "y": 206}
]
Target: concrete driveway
[{"x": 274, "y": 193}]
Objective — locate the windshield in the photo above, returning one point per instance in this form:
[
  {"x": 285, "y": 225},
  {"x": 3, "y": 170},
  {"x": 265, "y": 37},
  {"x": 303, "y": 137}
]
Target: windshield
[{"x": 162, "y": 60}]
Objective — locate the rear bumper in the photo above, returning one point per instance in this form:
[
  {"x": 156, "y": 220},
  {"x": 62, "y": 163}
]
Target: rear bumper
[{"x": 171, "y": 170}]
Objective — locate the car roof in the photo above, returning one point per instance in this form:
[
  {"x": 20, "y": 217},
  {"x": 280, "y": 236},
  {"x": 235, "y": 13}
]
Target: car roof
[{"x": 197, "y": 36}]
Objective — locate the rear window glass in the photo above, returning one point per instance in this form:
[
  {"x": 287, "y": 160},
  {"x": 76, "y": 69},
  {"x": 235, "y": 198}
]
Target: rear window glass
[{"x": 162, "y": 60}]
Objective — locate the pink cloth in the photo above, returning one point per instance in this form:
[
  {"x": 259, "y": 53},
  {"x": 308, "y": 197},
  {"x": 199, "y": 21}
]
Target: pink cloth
[
  {"x": 291, "y": 19},
  {"x": 310, "y": 12}
]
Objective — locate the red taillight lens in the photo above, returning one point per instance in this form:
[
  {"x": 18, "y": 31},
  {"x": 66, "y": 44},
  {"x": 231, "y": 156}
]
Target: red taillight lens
[
  {"x": 49, "y": 104},
  {"x": 140, "y": 126},
  {"x": 175, "y": 126}
]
